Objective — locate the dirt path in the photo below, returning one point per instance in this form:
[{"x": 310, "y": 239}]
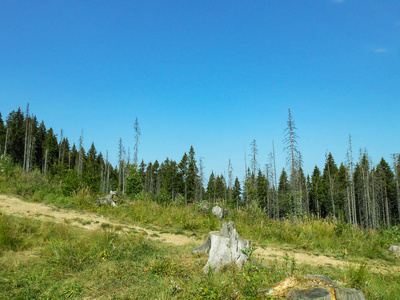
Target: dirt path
[{"x": 14, "y": 206}]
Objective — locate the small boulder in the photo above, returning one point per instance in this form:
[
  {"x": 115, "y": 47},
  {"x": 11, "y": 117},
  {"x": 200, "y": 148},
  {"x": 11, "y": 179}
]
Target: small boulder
[
  {"x": 218, "y": 212},
  {"x": 312, "y": 287},
  {"x": 395, "y": 249}
]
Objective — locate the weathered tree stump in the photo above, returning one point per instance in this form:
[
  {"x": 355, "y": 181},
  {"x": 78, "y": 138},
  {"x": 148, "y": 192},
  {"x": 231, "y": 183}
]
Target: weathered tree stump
[
  {"x": 107, "y": 200},
  {"x": 224, "y": 248}
]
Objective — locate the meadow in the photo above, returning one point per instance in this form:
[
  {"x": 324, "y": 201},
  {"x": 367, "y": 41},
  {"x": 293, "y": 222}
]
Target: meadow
[{"x": 49, "y": 260}]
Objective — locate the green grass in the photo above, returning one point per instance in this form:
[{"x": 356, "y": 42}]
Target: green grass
[{"x": 45, "y": 260}]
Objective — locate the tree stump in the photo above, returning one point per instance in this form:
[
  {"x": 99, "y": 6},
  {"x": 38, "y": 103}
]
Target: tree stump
[
  {"x": 224, "y": 248},
  {"x": 107, "y": 200}
]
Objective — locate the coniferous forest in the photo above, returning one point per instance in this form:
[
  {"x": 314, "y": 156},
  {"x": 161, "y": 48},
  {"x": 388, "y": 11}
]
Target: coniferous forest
[{"x": 354, "y": 191}]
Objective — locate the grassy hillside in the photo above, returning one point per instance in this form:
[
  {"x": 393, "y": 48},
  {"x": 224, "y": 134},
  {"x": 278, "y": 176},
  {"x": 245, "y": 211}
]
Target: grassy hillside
[{"x": 45, "y": 260}]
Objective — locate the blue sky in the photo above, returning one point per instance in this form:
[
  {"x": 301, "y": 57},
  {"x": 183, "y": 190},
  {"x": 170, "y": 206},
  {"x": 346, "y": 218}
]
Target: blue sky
[{"x": 212, "y": 74}]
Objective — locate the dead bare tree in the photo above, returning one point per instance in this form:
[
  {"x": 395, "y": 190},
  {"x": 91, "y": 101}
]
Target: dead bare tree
[
  {"x": 230, "y": 180},
  {"x": 396, "y": 175},
  {"x": 80, "y": 154},
  {"x": 292, "y": 160},
  {"x": 60, "y": 148},
  {"x": 201, "y": 178},
  {"x": 6, "y": 142},
  {"x": 137, "y": 141},
  {"x": 275, "y": 182},
  {"x": 25, "y": 169}
]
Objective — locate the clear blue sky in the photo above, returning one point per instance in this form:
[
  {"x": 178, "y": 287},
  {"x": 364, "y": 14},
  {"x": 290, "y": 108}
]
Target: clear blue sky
[{"x": 212, "y": 74}]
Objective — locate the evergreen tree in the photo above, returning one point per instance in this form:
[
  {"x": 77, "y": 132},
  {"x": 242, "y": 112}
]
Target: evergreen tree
[
  {"x": 262, "y": 190},
  {"x": 284, "y": 194},
  {"x": 2, "y": 135},
  {"x": 220, "y": 188},
  {"x": 192, "y": 175},
  {"x": 142, "y": 173},
  {"x": 211, "y": 191},
  {"x": 236, "y": 193},
  {"x": 328, "y": 183},
  {"x": 15, "y": 146},
  {"x": 388, "y": 191},
  {"x": 133, "y": 182},
  {"x": 341, "y": 195},
  {"x": 316, "y": 192},
  {"x": 183, "y": 173},
  {"x": 92, "y": 169},
  {"x": 40, "y": 138},
  {"x": 170, "y": 183}
]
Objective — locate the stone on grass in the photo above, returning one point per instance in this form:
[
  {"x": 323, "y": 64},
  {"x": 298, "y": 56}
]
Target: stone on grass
[
  {"x": 395, "y": 249},
  {"x": 218, "y": 212},
  {"x": 312, "y": 287},
  {"x": 224, "y": 248}
]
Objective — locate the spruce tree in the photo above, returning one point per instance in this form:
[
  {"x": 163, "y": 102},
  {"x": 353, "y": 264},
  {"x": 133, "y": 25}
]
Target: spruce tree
[
  {"x": 16, "y": 136},
  {"x": 192, "y": 175}
]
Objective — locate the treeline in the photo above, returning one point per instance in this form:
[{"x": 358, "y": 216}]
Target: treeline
[{"x": 356, "y": 192}]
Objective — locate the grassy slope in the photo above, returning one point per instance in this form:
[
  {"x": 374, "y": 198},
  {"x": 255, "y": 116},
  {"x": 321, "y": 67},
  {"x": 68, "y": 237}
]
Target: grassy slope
[{"x": 46, "y": 260}]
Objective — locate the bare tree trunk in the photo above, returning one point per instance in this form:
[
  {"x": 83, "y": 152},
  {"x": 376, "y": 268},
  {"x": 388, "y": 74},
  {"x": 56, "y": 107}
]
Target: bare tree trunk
[
  {"x": 352, "y": 187},
  {"x": 120, "y": 157},
  {"x": 24, "y": 168},
  {"x": 387, "y": 208},
  {"x": 230, "y": 180},
  {"x": 275, "y": 182},
  {"x": 80, "y": 155},
  {"x": 60, "y": 148},
  {"x": 5, "y": 144},
  {"x": 396, "y": 173},
  {"x": 201, "y": 178},
  {"x": 137, "y": 141},
  {"x": 45, "y": 161}
]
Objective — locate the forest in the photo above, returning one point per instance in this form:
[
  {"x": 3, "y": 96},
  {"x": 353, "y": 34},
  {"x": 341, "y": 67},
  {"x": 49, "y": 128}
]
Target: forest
[{"x": 354, "y": 191}]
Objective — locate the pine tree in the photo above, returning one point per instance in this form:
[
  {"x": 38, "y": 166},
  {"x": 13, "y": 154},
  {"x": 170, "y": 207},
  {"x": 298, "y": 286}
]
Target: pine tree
[
  {"x": 192, "y": 175},
  {"x": 183, "y": 174},
  {"x": 3, "y": 132},
  {"x": 328, "y": 185},
  {"x": 211, "y": 192},
  {"x": 16, "y": 134},
  {"x": 236, "y": 192},
  {"x": 315, "y": 192},
  {"x": 284, "y": 194},
  {"x": 39, "y": 152},
  {"x": 133, "y": 182}
]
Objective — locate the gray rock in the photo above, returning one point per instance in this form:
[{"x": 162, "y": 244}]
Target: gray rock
[
  {"x": 313, "y": 294},
  {"x": 218, "y": 212},
  {"x": 395, "y": 249},
  {"x": 348, "y": 294},
  {"x": 313, "y": 287}
]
